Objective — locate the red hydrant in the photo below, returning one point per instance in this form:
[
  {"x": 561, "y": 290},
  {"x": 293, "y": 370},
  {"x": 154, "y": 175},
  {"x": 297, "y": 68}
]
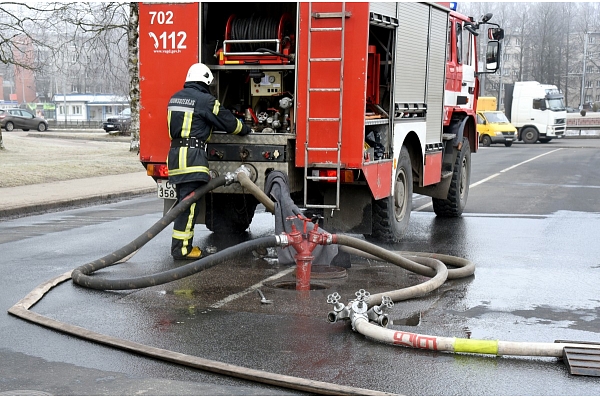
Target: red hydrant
[{"x": 304, "y": 244}]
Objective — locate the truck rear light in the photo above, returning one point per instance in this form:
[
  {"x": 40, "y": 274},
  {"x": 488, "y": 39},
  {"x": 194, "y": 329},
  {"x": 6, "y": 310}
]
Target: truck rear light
[
  {"x": 157, "y": 170},
  {"x": 347, "y": 176}
]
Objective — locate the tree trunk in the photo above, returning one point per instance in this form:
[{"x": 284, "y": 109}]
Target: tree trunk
[{"x": 134, "y": 87}]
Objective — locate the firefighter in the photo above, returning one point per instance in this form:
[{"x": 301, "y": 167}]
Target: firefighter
[{"x": 192, "y": 114}]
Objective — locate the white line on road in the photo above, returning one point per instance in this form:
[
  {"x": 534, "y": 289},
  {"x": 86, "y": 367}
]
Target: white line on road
[
  {"x": 493, "y": 176},
  {"x": 252, "y": 288},
  {"x": 531, "y": 159}
]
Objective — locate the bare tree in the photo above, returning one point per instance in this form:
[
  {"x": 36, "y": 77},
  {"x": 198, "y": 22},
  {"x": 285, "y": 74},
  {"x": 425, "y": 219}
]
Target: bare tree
[
  {"x": 87, "y": 45},
  {"x": 134, "y": 90}
]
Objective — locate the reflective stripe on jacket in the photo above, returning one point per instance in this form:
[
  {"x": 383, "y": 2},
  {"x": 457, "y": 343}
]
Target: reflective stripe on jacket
[{"x": 194, "y": 112}]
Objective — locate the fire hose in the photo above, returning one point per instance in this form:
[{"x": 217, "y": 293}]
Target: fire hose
[{"x": 366, "y": 312}]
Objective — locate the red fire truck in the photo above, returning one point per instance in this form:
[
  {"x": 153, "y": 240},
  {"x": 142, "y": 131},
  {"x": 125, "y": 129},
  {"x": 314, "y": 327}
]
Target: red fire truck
[{"x": 360, "y": 104}]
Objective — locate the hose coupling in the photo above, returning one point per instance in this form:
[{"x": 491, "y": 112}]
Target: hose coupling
[
  {"x": 245, "y": 169},
  {"x": 359, "y": 307},
  {"x": 282, "y": 240},
  {"x": 356, "y": 317},
  {"x": 376, "y": 314},
  {"x": 230, "y": 178}
]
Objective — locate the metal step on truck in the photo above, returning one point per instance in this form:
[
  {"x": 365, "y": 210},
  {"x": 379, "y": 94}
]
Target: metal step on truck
[{"x": 360, "y": 104}]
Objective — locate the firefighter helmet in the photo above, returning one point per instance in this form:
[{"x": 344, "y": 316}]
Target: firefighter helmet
[{"x": 199, "y": 73}]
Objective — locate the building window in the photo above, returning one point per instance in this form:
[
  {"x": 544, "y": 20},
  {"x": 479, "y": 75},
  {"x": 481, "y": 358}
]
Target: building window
[
  {"x": 76, "y": 110},
  {"x": 61, "y": 110},
  {"x": 588, "y": 84},
  {"x": 598, "y": 84},
  {"x": 591, "y": 39},
  {"x": 108, "y": 110},
  {"x": 598, "y": 97},
  {"x": 588, "y": 98},
  {"x": 517, "y": 41}
]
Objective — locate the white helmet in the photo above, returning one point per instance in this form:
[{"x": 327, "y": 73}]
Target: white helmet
[{"x": 199, "y": 73}]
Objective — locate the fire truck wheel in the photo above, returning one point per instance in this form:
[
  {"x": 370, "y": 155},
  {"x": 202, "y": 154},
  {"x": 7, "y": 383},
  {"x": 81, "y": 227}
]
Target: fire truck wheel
[
  {"x": 486, "y": 141},
  {"x": 391, "y": 215},
  {"x": 458, "y": 192},
  {"x": 229, "y": 213},
  {"x": 530, "y": 135}
]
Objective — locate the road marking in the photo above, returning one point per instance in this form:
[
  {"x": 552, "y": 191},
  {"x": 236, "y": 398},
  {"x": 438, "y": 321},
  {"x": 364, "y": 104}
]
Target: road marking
[
  {"x": 251, "y": 289},
  {"x": 493, "y": 176},
  {"x": 531, "y": 159}
]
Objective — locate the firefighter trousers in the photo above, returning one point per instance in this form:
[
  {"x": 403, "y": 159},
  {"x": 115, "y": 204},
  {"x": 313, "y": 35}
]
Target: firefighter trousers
[{"x": 183, "y": 226}]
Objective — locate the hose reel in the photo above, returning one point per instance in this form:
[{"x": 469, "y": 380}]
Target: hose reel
[{"x": 258, "y": 40}]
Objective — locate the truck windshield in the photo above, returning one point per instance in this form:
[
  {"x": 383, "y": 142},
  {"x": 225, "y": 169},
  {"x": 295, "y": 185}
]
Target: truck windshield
[
  {"x": 556, "y": 104},
  {"x": 495, "y": 117}
]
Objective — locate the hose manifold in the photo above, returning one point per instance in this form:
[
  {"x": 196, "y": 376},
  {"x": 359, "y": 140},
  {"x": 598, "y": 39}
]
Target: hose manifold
[{"x": 359, "y": 309}]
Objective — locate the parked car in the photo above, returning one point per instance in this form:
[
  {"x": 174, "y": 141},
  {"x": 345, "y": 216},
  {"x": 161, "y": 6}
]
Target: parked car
[
  {"x": 572, "y": 110},
  {"x": 16, "y": 118},
  {"x": 118, "y": 123}
]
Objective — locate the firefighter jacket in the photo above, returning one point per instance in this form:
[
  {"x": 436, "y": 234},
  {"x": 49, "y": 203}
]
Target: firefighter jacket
[{"x": 192, "y": 114}]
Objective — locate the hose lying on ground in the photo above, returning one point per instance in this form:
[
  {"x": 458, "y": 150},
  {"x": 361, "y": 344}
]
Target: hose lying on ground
[
  {"x": 79, "y": 273},
  {"x": 80, "y": 277},
  {"x": 432, "y": 265}
]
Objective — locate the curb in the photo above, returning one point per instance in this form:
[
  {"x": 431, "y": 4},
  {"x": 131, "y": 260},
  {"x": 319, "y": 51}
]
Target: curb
[
  {"x": 107, "y": 138},
  {"x": 54, "y": 206}
]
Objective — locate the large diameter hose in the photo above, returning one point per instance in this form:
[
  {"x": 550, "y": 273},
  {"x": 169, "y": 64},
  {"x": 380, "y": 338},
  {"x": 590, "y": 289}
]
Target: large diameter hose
[
  {"x": 427, "y": 264},
  {"x": 95, "y": 282},
  {"x": 79, "y": 274},
  {"x": 247, "y": 183},
  {"x": 21, "y": 310},
  {"x": 459, "y": 345}
]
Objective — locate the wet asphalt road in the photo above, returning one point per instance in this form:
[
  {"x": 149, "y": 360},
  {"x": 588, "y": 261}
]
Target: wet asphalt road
[{"x": 531, "y": 226}]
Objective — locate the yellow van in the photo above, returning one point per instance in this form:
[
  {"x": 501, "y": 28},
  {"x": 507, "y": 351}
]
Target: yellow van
[{"x": 492, "y": 125}]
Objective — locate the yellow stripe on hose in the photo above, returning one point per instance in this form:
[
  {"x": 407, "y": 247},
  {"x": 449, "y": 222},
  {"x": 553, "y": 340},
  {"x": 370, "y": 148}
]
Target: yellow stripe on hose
[{"x": 475, "y": 346}]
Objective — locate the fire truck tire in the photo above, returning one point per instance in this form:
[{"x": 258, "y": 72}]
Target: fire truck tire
[
  {"x": 229, "y": 213},
  {"x": 530, "y": 135},
  {"x": 458, "y": 192},
  {"x": 486, "y": 141},
  {"x": 391, "y": 215}
]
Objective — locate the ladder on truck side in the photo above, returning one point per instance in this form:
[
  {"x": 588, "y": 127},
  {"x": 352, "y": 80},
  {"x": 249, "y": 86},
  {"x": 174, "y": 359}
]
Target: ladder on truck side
[{"x": 332, "y": 119}]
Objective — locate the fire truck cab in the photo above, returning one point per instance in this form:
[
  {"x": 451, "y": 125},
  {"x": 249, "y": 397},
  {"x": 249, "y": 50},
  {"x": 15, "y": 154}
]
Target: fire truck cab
[{"x": 360, "y": 104}]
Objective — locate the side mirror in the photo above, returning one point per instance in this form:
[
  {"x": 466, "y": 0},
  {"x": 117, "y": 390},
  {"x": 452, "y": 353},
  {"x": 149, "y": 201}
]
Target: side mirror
[
  {"x": 492, "y": 56},
  {"x": 495, "y": 33}
]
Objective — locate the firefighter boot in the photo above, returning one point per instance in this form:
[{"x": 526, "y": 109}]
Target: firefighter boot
[{"x": 194, "y": 254}]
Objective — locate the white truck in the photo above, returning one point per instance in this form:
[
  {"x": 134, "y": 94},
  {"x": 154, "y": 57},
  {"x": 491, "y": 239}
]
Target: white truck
[{"x": 536, "y": 110}]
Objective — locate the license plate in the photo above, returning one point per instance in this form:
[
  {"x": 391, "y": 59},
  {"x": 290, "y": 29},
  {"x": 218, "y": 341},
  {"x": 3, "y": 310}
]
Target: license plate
[
  {"x": 165, "y": 190},
  {"x": 110, "y": 126}
]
